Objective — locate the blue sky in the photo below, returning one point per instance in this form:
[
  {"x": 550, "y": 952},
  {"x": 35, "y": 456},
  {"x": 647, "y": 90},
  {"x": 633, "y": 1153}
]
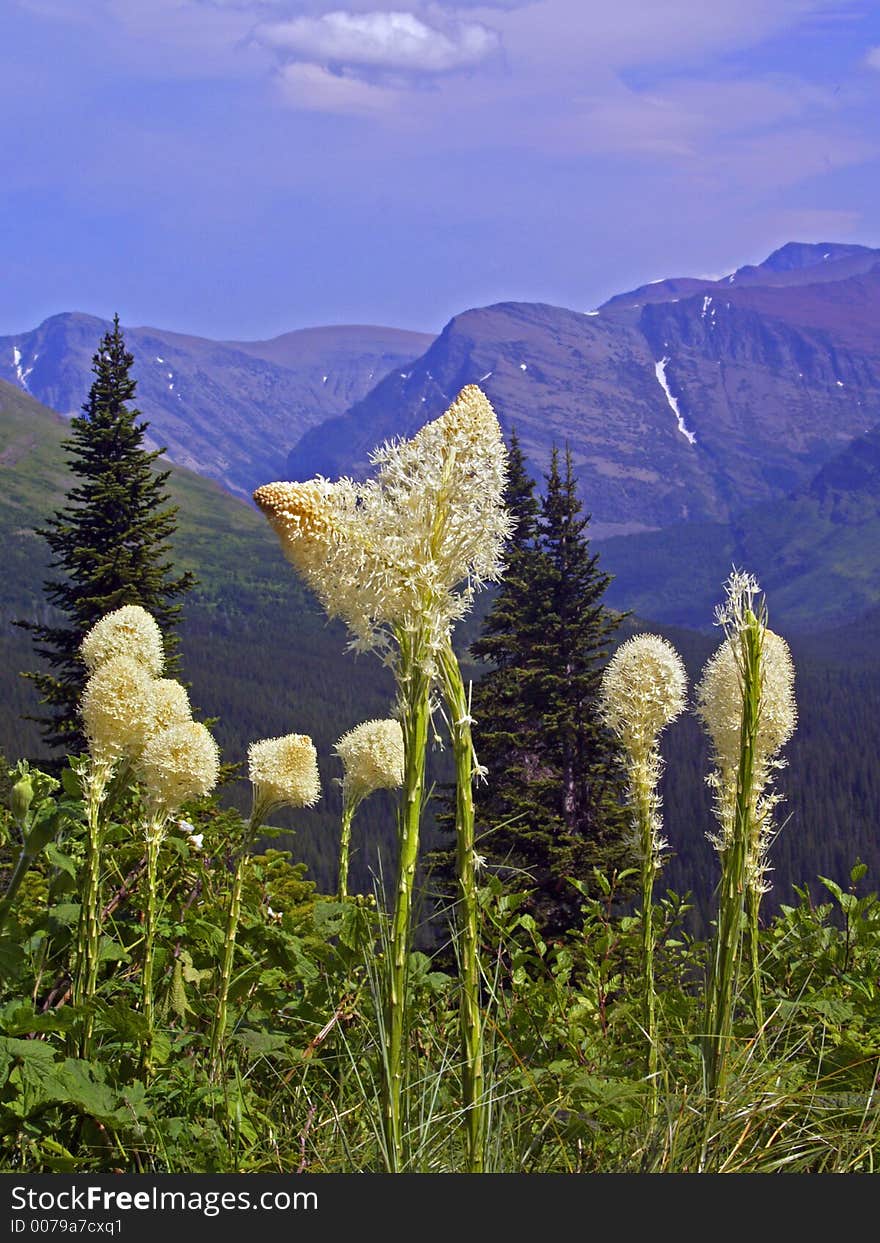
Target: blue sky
[{"x": 238, "y": 168}]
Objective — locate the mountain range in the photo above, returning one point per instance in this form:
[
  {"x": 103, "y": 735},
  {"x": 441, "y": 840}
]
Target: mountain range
[
  {"x": 709, "y": 421},
  {"x": 230, "y": 410},
  {"x": 685, "y": 400}
]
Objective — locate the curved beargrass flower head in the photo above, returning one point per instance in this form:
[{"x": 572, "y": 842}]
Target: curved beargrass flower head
[
  {"x": 128, "y": 631},
  {"x": 178, "y": 764},
  {"x": 406, "y": 550},
  {"x": 372, "y": 759},
  {"x": 118, "y": 709},
  {"x": 284, "y": 773}
]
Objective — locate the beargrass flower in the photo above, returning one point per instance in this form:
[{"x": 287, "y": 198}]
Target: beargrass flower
[
  {"x": 128, "y": 631},
  {"x": 284, "y": 772},
  {"x": 372, "y": 759},
  {"x": 399, "y": 558},
  {"x": 172, "y": 706},
  {"x": 407, "y": 549},
  {"x": 745, "y": 699},
  {"x": 643, "y": 690},
  {"x": 720, "y": 706},
  {"x": 177, "y": 764},
  {"x": 117, "y": 709}
]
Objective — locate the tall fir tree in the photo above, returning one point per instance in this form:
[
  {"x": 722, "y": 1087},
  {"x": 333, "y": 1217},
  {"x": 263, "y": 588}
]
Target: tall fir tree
[
  {"x": 110, "y": 542},
  {"x": 553, "y": 805}
]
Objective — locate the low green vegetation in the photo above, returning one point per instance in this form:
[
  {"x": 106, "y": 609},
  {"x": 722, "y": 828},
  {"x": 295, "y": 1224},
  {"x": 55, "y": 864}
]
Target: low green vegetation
[{"x": 300, "y": 1080}]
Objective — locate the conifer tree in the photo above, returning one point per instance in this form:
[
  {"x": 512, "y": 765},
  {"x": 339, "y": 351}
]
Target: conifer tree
[
  {"x": 110, "y": 541},
  {"x": 554, "y": 801}
]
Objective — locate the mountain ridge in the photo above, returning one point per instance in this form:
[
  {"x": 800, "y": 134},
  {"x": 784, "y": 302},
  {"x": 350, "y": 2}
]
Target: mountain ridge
[
  {"x": 690, "y": 407},
  {"x": 228, "y": 410}
]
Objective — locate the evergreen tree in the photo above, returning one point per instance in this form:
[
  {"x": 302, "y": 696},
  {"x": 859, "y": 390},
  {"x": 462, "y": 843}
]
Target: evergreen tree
[
  {"x": 554, "y": 801},
  {"x": 110, "y": 541}
]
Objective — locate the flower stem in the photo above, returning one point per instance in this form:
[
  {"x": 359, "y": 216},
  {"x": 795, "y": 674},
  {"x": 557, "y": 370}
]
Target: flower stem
[
  {"x": 468, "y": 919},
  {"x": 233, "y": 915},
  {"x": 645, "y": 799},
  {"x": 154, "y": 835},
  {"x": 415, "y": 692},
  {"x": 727, "y": 947},
  {"x": 348, "y": 809},
  {"x": 88, "y": 946}
]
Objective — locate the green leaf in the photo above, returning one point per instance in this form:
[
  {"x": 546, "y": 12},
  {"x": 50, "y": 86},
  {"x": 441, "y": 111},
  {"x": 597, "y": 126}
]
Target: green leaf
[
  {"x": 64, "y": 914},
  {"x": 86, "y": 1089},
  {"x": 191, "y": 974},
  {"x": 161, "y": 1048},
  {"x": 832, "y": 887},
  {"x": 18, "y": 1018},
  {"x": 112, "y": 951},
  {"x": 72, "y": 783},
  {"x": 124, "y": 1022},
  {"x": 59, "y": 860}
]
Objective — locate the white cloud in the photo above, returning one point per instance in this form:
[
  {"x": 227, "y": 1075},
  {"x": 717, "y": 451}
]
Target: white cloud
[
  {"x": 311, "y": 88},
  {"x": 394, "y": 41},
  {"x": 872, "y": 60}
]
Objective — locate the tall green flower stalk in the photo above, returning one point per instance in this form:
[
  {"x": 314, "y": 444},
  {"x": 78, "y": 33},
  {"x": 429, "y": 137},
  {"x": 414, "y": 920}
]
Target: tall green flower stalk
[
  {"x": 88, "y": 942},
  {"x": 415, "y": 692},
  {"x": 745, "y": 699},
  {"x": 154, "y": 834},
  {"x": 470, "y": 1014},
  {"x": 399, "y": 557},
  {"x": 118, "y": 709},
  {"x": 643, "y": 690},
  {"x": 283, "y": 773},
  {"x": 177, "y": 764},
  {"x": 372, "y": 756}
]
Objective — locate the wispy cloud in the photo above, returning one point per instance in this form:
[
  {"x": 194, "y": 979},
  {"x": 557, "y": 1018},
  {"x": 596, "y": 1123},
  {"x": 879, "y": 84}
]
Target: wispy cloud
[
  {"x": 312, "y": 88},
  {"x": 872, "y": 60}
]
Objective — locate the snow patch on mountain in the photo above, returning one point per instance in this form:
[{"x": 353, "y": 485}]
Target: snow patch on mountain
[
  {"x": 660, "y": 372},
  {"x": 21, "y": 372}
]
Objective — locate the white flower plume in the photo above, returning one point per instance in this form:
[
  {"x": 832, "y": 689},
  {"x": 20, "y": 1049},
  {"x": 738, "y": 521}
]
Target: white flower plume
[
  {"x": 643, "y": 690},
  {"x": 720, "y": 705},
  {"x": 404, "y": 552},
  {"x": 128, "y": 631},
  {"x": 372, "y": 756}
]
